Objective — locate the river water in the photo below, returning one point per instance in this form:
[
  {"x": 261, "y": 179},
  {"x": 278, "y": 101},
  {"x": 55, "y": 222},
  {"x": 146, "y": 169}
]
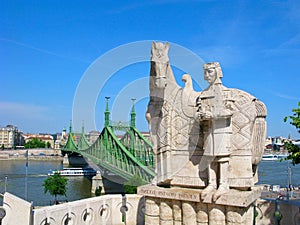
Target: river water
[
  {"x": 270, "y": 172},
  {"x": 15, "y": 170},
  {"x": 276, "y": 173}
]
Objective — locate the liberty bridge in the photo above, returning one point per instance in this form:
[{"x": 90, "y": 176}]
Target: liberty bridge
[{"x": 130, "y": 155}]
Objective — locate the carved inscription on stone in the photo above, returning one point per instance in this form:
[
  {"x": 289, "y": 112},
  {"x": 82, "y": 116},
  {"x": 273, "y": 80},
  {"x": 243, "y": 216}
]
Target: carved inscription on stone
[{"x": 171, "y": 194}]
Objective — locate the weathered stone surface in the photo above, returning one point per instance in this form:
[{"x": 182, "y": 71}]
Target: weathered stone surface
[
  {"x": 97, "y": 182},
  {"x": 177, "y": 212},
  {"x": 18, "y": 211},
  {"x": 232, "y": 197},
  {"x": 216, "y": 214},
  {"x": 226, "y": 125},
  {"x": 152, "y": 207},
  {"x": 170, "y": 193},
  {"x": 189, "y": 215},
  {"x": 173, "y": 129},
  {"x": 202, "y": 213},
  {"x": 165, "y": 211},
  {"x": 207, "y": 148},
  {"x": 240, "y": 198}
]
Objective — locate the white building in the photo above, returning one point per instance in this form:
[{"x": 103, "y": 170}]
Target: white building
[{"x": 9, "y": 136}]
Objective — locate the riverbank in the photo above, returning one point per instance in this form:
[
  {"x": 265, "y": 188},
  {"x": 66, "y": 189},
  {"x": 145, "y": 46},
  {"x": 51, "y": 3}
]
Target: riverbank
[
  {"x": 33, "y": 154},
  {"x": 31, "y": 158}
]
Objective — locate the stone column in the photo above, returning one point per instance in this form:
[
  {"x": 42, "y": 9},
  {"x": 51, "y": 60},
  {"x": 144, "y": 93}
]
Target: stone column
[
  {"x": 165, "y": 212},
  {"x": 248, "y": 215},
  {"x": 216, "y": 214},
  {"x": 177, "y": 212},
  {"x": 152, "y": 212},
  {"x": 234, "y": 215},
  {"x": 202, "y": 214},
  {"x": 188, "y": 213}
]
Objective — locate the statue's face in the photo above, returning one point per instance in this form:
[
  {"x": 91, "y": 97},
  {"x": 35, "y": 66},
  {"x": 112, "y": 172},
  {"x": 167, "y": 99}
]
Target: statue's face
[{"x": 210, "y": 75}]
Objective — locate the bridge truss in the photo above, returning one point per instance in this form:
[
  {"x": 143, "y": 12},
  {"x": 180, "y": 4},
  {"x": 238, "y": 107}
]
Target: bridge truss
[{"x": 130, "y": 155}]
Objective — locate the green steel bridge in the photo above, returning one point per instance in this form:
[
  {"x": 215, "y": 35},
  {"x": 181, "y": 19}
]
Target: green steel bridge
[{"x": 127, "y": 156}]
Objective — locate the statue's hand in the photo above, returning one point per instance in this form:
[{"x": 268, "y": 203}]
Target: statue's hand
[{"x": 204, "y": 115}]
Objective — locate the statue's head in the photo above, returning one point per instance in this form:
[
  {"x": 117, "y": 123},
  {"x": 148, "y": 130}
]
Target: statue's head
[
  {"x": 159, "y": 63},
  {"x": 212, "y": 73},
  {"x": 159, "y": 52}
]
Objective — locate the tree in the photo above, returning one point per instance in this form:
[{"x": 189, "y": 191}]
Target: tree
[
  {"x": 98, "y": 191},
  {"x": 55, "y": 185},
  {"x": 2, "y": 146},
  {"x": 48, "y": 144},
  {"x": 294, "y": 150},
  {"x": 35, "y": 143},
  {"x": 130, "y": 187}
]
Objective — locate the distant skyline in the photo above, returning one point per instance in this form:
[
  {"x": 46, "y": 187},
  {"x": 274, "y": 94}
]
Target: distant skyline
[{"x": 47, "y": 47}]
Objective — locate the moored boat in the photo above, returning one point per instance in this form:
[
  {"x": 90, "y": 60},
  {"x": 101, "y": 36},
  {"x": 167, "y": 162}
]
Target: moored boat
[
  {"x": 74, "y": 172},
  {"x": 273, "y": 157}
]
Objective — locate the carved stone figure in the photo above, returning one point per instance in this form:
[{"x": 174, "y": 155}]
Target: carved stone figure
[
  {"x": 228, "y": 132},
  {"x": 174, "y": 131},
  {"x": 207, "y": 145},
  {"x": 215, "y": 112}
]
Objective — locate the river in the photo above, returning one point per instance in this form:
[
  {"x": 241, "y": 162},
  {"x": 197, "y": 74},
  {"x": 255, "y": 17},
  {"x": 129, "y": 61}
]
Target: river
[
  {"x": 270, "y": 172},
  {"x": 15, "y": 170},
  {"x": 276, "y": 173}
]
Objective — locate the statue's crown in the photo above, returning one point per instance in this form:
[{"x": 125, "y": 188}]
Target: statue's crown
[{"x": 211, "y": 65}]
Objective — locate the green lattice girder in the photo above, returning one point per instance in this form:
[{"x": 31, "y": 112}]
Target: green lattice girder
[
  {"x": 109, "y": 153},
  {"x": 70, "y": 145},
  {"x": 83, "y": 143},
  {"x": 139, "y": 147}
]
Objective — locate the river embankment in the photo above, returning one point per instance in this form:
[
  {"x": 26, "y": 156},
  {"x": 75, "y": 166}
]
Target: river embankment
[{"x": 40, "y": 154}]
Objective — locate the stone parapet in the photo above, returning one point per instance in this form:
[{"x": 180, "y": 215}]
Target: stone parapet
[
  {"x": 184, "y": 206},
  {"x": 231, "y": 198},
  {"x": 107, "y": 210}
]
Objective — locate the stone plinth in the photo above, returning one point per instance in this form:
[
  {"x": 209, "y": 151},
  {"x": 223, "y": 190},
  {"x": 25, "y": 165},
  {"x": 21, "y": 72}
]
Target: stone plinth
[
  {"x": 66, "y": 160},
  {"x": 97, "y": 182},
  {"x": 184, "y": 206}
]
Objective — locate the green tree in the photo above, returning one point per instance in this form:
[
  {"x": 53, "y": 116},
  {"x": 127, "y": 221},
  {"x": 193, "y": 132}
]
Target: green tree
[
  {"x": 130, "y": 187},
  {"x": 294, "y": 150},
  {"x": 35, "y": 143},
  {"x": 55, "y": 185},
  {"x": 2, "y": 146},
  {"x": 98, "y": 191},
  {"x": 48, "y": 144}
]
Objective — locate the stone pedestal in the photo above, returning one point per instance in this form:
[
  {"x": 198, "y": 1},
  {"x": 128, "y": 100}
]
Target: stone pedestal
[
  {"x": 184, "y": 206},
  {"x": 97, "y": 182},
  {"x": 66, "y": 160}
]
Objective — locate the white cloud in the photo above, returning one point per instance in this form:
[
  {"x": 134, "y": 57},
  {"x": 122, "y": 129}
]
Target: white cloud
[
  {"x": 290, "y": 46},
  {"x": 44, "y": 51},
  {"x": 286, "y": 96},
  {"x": 34, "y": 118},
  {"x": 26, "y": 111}
]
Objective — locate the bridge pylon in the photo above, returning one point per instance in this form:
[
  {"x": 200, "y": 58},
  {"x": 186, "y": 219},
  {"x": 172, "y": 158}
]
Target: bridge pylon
[{"x": 125, "y": 156}]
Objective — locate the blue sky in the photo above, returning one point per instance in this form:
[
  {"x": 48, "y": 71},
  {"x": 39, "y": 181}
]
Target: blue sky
[{"x": 47, "y": 46}]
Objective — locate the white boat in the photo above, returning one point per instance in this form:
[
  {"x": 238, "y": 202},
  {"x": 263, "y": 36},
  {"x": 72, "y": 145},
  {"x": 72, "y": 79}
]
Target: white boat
[
  {"x": 269, "y": 157},
  {"x": 273, "y": 157},
  {"x": 74, "y": 172}
]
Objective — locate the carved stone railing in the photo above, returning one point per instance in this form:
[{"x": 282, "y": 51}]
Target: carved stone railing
[
  {"x": 107, "y": 209},
  {"x": 117, "y": 209}
]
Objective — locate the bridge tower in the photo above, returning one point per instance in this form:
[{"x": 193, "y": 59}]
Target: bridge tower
[
  {"x": 70, "y": 145},
  {"x": 124, "y": 156},
  {"x": 83, "y": 143}
]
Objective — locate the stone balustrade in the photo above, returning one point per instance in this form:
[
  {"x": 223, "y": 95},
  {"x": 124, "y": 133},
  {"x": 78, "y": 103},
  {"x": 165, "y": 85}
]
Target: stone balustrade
[{"x": 108, "y": 209}]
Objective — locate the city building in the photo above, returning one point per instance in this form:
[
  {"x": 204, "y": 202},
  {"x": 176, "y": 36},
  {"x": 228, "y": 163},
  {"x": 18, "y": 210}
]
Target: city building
[
  {"x": 42, "y": 137},
  {"x": 92, "y": 136},
  {"x": 10, "y": 137}
]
